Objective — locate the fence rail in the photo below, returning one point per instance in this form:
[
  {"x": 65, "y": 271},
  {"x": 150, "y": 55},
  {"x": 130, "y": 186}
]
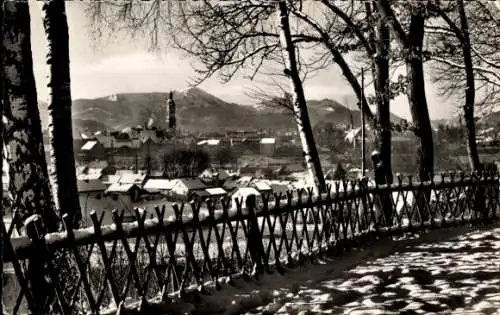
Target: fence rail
[{"x": 103, "y": 269}]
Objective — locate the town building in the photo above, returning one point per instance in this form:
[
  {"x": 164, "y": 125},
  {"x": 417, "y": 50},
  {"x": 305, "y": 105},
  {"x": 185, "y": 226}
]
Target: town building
[
  {"x": 267, "y": 146},
  {"x": 185, "y": 187},
  {"x": 129, "y": 193},
  {"x": 92, "y": 150},
  {"x": 157, "y": 185}
]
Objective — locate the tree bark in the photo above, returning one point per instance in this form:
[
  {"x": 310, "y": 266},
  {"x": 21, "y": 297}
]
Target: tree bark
[
  {"x": 470, "y": 91},
  {"x": 380, "y": 39},
  {"x": 417, "y": 98},
  {"x": 310, "y": 152},
  {"x": 62, "y": 161},
  {"x": 412, "y": 44},
  {"x": 29, "y": 183},
  {"x": 3, "y": 311},
  {"x": 381, "y": 42}
]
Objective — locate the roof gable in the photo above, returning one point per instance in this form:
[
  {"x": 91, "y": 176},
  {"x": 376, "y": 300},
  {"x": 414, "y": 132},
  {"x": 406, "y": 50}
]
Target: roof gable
[
  {"x": 159, "y": 184},
  {"x": 216, "y": 191},
  {"x": 120, "y": 188},
  {"x": 191, "y": 183}
]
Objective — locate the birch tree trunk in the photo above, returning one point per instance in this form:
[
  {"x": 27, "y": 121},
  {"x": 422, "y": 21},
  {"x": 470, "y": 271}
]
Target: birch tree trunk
[
  {"x": 380, "y": 40},
  {"x": 310, "y": 152},
  {"x": 29, "y": 183},
  {"x": 62, "y": 161},
  {"x": 3, "y": 311}
]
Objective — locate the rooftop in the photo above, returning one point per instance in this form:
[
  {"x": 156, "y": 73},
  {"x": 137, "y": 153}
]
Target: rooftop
[
  {"x": 159, "y": 184},
  {"x": 120, "y": 188},
  {"x": 209, "y": 142},
  {"x": 216, "y": 191},
  {"x": 192, "y": 183},
  {"x": 89, "y": 145},
  {"x": 268, "y": 140},
  {"x": 90, "y": 186}
]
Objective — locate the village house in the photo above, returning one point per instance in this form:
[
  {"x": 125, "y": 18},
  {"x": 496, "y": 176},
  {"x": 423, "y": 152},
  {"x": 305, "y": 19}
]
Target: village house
[
  {"x": 130, "y": 177},
  {"x": 262, "y": 187},
  {"x": 214, "y": 177},
  {"x": 267, "y": 146},
  {"x": 212, "y": 147},
  {"x": 216, "y": 192},
  {"x": 119, "y": 144},
  {"x": 185, "y": 187},
  {"x": 245, "y": 180},
  {"x": 88, "y": 173},
  {"x": 160, "y": 186},
  {"x": 91, "y": 195},
  {"x": 92, "y": 150},
  {"x": 127, "y": 192},
  {"x": 239, "y": 197}
]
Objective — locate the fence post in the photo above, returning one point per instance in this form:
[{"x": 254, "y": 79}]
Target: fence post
[
  {"x": 38, "y": 285},
  {"x": 254, "y": 242}
]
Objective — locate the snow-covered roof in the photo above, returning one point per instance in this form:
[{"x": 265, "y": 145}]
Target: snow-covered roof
[
  {"x": 159, "y": 184},
  {"x": 216, "y": 191},
  {"x": 210, "y": 172},
  {"x": 131, "y": 178},
  {"x": 262, "y": 186},
  {"x": 209, "y": 142},
  {"x": 191, "y": 183},
  {"x": 244, "y": 180},
  {"x": 119, "y": 188},
  {"x": 268, "y": 140},
  {"x": 245, "y": 192},
  {"x": 88, "y": 145}
]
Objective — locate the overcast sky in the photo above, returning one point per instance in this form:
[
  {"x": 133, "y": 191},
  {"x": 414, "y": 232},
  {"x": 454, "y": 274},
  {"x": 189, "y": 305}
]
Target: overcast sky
[{"x": 126, "y": 66}]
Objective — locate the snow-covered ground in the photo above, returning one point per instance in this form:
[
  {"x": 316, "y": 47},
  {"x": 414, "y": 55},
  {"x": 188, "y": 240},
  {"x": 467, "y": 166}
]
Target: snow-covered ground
[{"x": 448, "y": 271}]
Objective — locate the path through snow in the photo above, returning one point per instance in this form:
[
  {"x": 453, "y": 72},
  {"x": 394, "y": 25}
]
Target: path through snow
[{"x": 452, "y": 271}]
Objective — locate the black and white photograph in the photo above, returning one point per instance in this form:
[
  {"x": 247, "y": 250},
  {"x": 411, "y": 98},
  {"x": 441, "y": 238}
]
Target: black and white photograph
[{"x": 225, "y": 157}]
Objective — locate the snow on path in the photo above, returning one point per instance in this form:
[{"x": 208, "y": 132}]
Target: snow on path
[{"x": 447, "y": 271}]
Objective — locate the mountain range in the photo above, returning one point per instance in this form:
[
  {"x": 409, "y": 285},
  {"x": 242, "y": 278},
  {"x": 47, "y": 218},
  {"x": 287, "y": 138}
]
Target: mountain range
[{"x": 196, "y": 111}]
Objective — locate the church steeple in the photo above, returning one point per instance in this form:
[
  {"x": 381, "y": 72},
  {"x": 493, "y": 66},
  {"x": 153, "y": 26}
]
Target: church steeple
[{"x": 171, "y": 113}]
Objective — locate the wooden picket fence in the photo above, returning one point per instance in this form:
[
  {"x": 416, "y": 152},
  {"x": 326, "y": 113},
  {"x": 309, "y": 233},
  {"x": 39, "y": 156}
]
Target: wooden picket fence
[{"x": 192, "y": 246}]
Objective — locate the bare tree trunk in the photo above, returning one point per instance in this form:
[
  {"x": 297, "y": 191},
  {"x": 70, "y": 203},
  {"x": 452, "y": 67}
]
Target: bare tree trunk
[
  {"x": 29, "y": 183},
  {"x": 470, "y": 91},
  {"x": 310, "y": 152},
  {"x": 62, "y": 161},
  {"x": 380, "y": 39},
  {"x": 413, "y": 44},
  {"x": 417, "y": 98}
]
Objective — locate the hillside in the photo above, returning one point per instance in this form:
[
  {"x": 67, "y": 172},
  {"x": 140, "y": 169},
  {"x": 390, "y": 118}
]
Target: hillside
[{"x": 197, "y": 111}]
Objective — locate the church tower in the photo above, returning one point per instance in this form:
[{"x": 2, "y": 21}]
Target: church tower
[{"x": 171, "y": 113}]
